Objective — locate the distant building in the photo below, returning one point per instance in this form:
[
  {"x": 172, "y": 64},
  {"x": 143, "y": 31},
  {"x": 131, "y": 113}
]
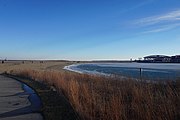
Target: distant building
[
  {"x": 175, "y": 59},
  {"x": 157, "y": 58}
]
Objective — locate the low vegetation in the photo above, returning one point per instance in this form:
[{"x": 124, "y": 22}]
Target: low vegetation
[{"x": 113, "y": 98}]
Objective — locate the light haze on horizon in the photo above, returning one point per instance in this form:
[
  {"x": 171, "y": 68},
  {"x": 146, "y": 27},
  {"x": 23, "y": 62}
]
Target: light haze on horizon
[{"x": 88, "y": 29}]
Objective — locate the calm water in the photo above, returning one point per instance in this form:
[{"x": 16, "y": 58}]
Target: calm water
[
  {"x": 34, "y": 99},
  {"x": 152, "y": 71}
]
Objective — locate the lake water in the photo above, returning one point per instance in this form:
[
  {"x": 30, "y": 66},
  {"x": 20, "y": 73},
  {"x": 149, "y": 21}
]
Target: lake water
[{"x": 151, "y": 71}]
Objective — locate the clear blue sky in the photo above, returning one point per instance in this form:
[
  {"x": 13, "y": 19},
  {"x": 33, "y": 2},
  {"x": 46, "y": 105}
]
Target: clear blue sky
[{"x": 88, "y": 29}]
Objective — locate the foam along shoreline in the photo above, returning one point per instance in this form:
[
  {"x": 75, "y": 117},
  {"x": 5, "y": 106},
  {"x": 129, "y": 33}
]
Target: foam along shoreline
[
  {"x": 148, "y": 69},
  {"x": 74, "y": 68},
  {"x": 146, "y": 66}
]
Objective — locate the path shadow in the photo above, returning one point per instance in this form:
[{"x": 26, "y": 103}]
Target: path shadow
[{"x": 17, "y": 112}]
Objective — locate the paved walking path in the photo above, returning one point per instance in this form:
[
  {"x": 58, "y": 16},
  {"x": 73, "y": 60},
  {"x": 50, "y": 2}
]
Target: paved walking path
[{"x": 13, "y": 104}]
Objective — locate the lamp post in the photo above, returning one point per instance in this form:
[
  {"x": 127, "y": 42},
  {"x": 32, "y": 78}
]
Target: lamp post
[{"x": 140, "y": 71}]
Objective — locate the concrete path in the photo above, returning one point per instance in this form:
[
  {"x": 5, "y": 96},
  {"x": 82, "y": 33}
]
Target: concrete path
[{"x": 13, "y": 105}]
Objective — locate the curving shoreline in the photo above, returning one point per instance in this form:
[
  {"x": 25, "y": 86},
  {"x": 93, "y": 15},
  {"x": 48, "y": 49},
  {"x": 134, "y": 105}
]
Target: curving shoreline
[{"x": 149, "y": 71}]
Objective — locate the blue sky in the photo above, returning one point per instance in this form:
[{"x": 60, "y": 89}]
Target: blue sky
[{"x": 88, "y": 29}]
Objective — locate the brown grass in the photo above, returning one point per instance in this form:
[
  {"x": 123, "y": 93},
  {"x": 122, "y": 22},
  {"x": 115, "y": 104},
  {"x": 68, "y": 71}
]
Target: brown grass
[
  {"x": 34, "y": 65},
  {"x": 101, "y": 98}
]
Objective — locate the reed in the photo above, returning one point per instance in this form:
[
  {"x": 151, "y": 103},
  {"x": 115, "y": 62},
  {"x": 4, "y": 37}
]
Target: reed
[{"x": 113, "y": 98}]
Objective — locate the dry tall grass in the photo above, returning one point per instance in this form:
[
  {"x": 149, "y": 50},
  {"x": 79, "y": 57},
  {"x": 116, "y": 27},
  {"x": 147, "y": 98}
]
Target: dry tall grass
[{"x": 100, "y": 98}]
